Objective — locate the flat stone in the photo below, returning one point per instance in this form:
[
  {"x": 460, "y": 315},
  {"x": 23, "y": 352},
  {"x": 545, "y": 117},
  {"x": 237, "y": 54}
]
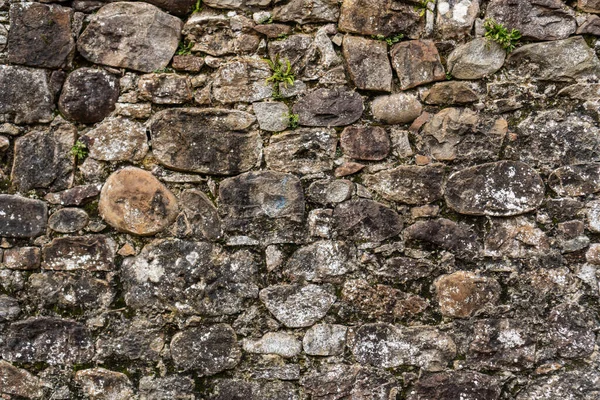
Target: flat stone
[
  {"x": 103, "y": 384},
  {"x": 541, "y": 20},
  {"x": 93, "y": 252},
  {"x": 321, "y": 261},
  {"x": 400, "y": 108},
  {"x": 40, "y": 35},
  {"x": 502, "y": 188},
  {"x": 273, "y": 31},
  {"x": 21, "y": 217},
  {"x": 23, "y": 258},
  {"x": 408, "y": 183},
  {"x": 307, "y": 11},
  {"x": 368, "y": 220},
  {"x": 168, "y": 387},
  {"x": 207, "y": 350},
  {"x": 298, "y": 306},
  {"x": 19, "y": 382},
  {"x": 370, "y": 143},
  {"x": 9, "y": 309},
  {"x": 592, "y": 6},
  {"x": 51, "y": 340},
  {"x": 272, "y": 116},
  {"x": 378, "y": 17},
  {"x": 187, "y": 63},
  {"x": 457, "y": 385},
  {"x": 75, "y": 196},
  {"x": 165, "y": 88},
  {"x": 348, "y": 168},
  {"x": 302, "y": 151},
  {"x": 117, "y": 139},
  {"x": 134, "y": 201},
  {"x": 199, "y": 219},
  {"x": 131, "y": 35},
  {"x": 329, "y": 107},
  {"x": 329, "y": 191},
  {"x": 445, "y": 234},
  {"x": 476, "y": 59},
  {"x": 417, "y": 62},
  {"x": 88, "y": 95},
  {"x": 452, "y": 92},
  {"x": 25, "y": 95},
  {"x": 282, "y": 344},
  {"x": 591, "y": 26},
  {"x": 244, "y": 80},
  {"x": 68, "y": 220},
  {"x": 575, "y": 180},
  {"x": 463, "y": 293},
  {"x": 455, "y": 18},
  {"x": 325, "y": 340},
  {"x": 235, "y": 4},
  {"x": 368, "y": 63}
]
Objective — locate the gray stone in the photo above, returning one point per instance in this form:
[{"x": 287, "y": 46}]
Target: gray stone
[
  {"x": 378, "y": 17},
  {"x": 455, "y": 18},
  {"x": 282, "y": 344},
  {"x": 592, "y": 6},
  {"x": 131, "y": 35},
  {"x": 457, "y": 385},
  {"x": 19, "y": 382},
  {"x": 321, "y": 261},
  {"x": 417, "y": 62},
  {"x": 165, "y": 88},
  {"x": 9, "y": 308},
  {"x": 476, "y": 59},
  {"x": 68, "y": 220},
  {"x": 368, "y": 220},
  {"x": 307, "y": 11},
  {"x": 368, "y": 63},
  {"x": 74, "y": 197},
  {"x": 93, "y": 253},
  {"x": 370, "y": 143},
  {"x": 408, "y": 183},
  {"x": 228, "y": 389},
  {"x": 445, "y": 234},
  {"x": 400, "y": 108},
  {"x": 199, "y": 218},
  {"x": 272, "y": 116},
  {"x": 593, "y": 216},
  {"x": 330, "y": 191},
  {"x": 243, "y": 80},
  {"x": 117, "y": 139},
  {"x": 25, "y": 95},
  {"x": 329, "y": 107},
  {"x": 166, "y": 388},
  {"x": 325, "y": 340},
  {"x": 102, "y": 384},
  {"x": 227, "y": 4},
  {"x": 137, "y": 339},
  {"x": 21, "y": 217},
  {"x": 575, "y": 180}
]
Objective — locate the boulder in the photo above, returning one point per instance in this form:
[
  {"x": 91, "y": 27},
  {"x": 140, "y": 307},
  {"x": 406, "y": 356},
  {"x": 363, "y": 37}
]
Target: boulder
[
  {"x": 103, "y": 384},
  {"x": 68, "y": 220}
]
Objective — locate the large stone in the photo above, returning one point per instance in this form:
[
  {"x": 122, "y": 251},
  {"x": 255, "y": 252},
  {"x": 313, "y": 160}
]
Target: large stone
[
  {"x": 176, "y": 7},
  {"x": 40, "y": 35},
  {"x": 21, "y": 217},
  {"x": 165, "y": 88},
  {"x": 457, "y": 385},
  {"x": 137, "y": 339},
  {"x": 515, "y": 238},
  {"x": 370, "y": 143},
  {"x": 43, "y": 159},
  {"x": 325, "y": 340},
  {"x": 209, "y": 141},
  {"x": 68, "y": 220},
  {"x": 368, "y": 220},
  {"x": 409, "y": 184},
  {"x": 463, "y": 293},
  {"x": 329, "y": 107},
  {"x": 455, "y": 18},
  {"x": 200, "y": 218},
  {"x": 476, "y": 59},
  {"x": 302, "y": 151},
  {"x": 19, "y": 382},
  {"x": 307, "y": 11},
  {"x": 576, "y": 180},
  {"x": 25, "y": 95},
  {"x": 282, "y": 344},
  {"x": 93, "y": 253},
  {"x": 399, "y": 108},
  {"x": 499, "y": 189},
  {"x": 452, "y": 92},
  {"x": 417, "y": 62},
  {"x": 243, "y": 80},
  {"x": 207, "y": 350},
  {"x": 89, "y": 95},
  {"x": 117, "y": 139},
  {"x": 378, "y": 17},
  {"x": 134, "y": 201},
  {"x": 131, "y": 35},
  {"x": 103, "y": 384},
  {"x": 321, "y": 261},
  {"x": 445, "y": 234},
  {"x": 582, "y": 384},
  {"x": 536, "y": 20},
  {"x": 298, "y": 306},
  {"x": 368, "y": 63}
]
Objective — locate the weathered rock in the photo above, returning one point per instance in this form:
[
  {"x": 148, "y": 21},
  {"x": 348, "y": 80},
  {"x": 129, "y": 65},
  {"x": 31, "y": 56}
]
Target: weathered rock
[
  {"x": 330, "y": 191},
  {"x": 453, "y": 92},
  {"x": 329, "y": 107},
  {"x": 321, "y": 261},
  {"x": 325, "y": 340},
  {"x": 368, "y": 63},
  {"x": 307, "y": 11},
  {"x": 175, "y": 7},
  {"x": 68, "y": 220},
  {"x": 538, "y": 20},
  {"x": 131, "y": 35},
  {"x": 138, "y": 339},
  {"x": 117, "y": 139},
  {"x": 302, "y": 151},
  {"x": 22, "y": 217},
  {"x": 19, "y": 382},
  {"x": 75, "y": 196},
  {"x": 272, "y": 116},
  {"x": 88, "y": 95},
  {"x": 134, "y": 201},
  {"x": 379, "y": 17},
  {"x": 244, "y": 80},
  {"x": 226, "y": 389},
  {"x": 93, "y": 253},
  {"x": 298, "y": 306},
  {"x": 408, "y": 183},
  {"x": 188, "y": 63},
  {"x": 515, "y": 238},
  {"x": 592, "y": 6},
  {"x": 593, "y": 216},
  {"x": 366, "y": 220},
  {"x": 9, "y": 309},
  {"x": 400, "y": 108},
  {"x": 365, "y": 143},
  {"x": 50, "y": 340},
  {"x": 457, "y": 385},
  {"x": 200, "y": 218},
  {"x": 576, "y": 180},
  {"x": 25, "y": 95},
  {"x": 273, "y": 31},
  {"x": 23, "y": 258},
  {"x": 40, "y": 35},
  {"x": 462, "y": 293},
  {"x": 499, "y": 189},
  {"x": 236, "y": 3},
  {"x": 168, "y": 387},
  {"x": 417, "y": 62},
  {"x": 455, "y": 18},
  {"x": 296, "y": 49},
  {"x": 165, "y": 88},
  {"x": 404, "y": 269},
  {"x": 568, "y": 334},
  {"x": 102, "y": 384},
  {"x": 448, "y": 235},
  {"x": 206, "y": 349},
  {"x": 476, "y": 59},
  {"x": 577, "y": 384},
  {"x": 279, "y": 343}
]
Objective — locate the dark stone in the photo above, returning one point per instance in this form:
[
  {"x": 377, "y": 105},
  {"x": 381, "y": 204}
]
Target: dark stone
[
  {"x": 166, "y": 388},
  {"x": 112, "y": 385},
  {"x": 25, "y": 95},
  {"x": 200, "y": 219},
  {"x": 9, "y": 308},
  {"x": 74, "y": 197},
  {"x": 321, "y": 261},
  {"x": 93, "y": 253},
  {"x": 578, "y": 384},
  {"x": 68, "y": 220},
  {"x": 368, "y": 63},
  {"x": 408, "y": 183},
  {"x": 330, "y": 191},
  {"x": 457, "y": 385},
  {"x": 138, "y": 339},
  {"x": 21, "y": 217},
  {"x": 446, "y": 234},
  {"x": 180, "y": 8},
  {"x": 368, "y": 220},
  {"x": 231, "y": 389},
  {"x": 329, "y": 107},
  {"x": 23, "y": 258},
  {"x": 379, "y": 17},
  {"x": 370, "y": 143},
  {"x": 417, "y": 62},
  {"x": 298, "y": 306},
  {"x": 307, "y": 11},
  {"x": 575, "y": 180}
]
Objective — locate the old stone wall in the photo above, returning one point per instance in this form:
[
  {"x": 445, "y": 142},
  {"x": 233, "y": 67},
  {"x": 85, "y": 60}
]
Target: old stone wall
[{"x": 299, "y": 199}]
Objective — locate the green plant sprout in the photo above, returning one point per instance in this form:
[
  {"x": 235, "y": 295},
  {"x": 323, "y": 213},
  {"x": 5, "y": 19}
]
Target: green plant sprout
[
  {"x": 197, "y": 7},
  {"x": 390, "y": 39},
  {"x": 496, "y": 32},
  {"x": 79, "y": 150},
  {"x": 423, "y": 6},
  {"x": 293, "y": 119},
  {"x": 184, "y": 49},
  {"x": 282, "y": 72}
]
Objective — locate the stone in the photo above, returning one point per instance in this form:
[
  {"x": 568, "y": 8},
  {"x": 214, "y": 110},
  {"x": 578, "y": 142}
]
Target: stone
[
  {"x": 103, "y": 384},
  {"x": 135, "y": 111},
  {"x": 330, "y": 191},
  {"x": 325, "y": 340},
  {"x": 417, "y": 62},
  {"x": 136, "y": 339},
  {"x": 199, "y": 219},
  {"x": 367, "y": 220},
  {"x": 176, "y": 7},
  {"x": 244, "y": 80},
  {"x": 302, "y": 151},
  {"x": 168, "y": 387},
  {"x": 25, "y": 95},
  {"x": 329, "y": 107},
  {"x": 348, "y": 168},
  {"x": 577, "y": 384},
  {"x": 592, "y": 6},
  {"x": 445, "y": 234},
  {"x": 53, "y": 341},
  {"x": 368, "y": 63},
  {"x": 462, "y": 294},
  {"x": 400, "y": 108},
  {"x": 40, "y": 35},
  {"x": 21, "y": 217},
  {"x": 282, "y": 344},
  {"x": 137, "y": 36},
  {"x": 272, "y": 116},
  {"x": 408, "y": 184},
  {"x": 321, "y": 261},
  {"x": 455, "y": 18},
  {"x": 591, "y": 26},
  {"x": 75, "y": 196},
  {"x": 575, "y": 180},
  {"x": 515, "y": 238},
  {"x": 117, "y": 139},
  {"x": 539, "y": 20},
  {"x": 476, "y": 59},
  {"x": 229, "y": 389},
  {"x": 298, "y": 306},
  {"x": 68, "y": 220},
  {"x": 370, "y": 143},
  {"x": 210, "y": 141},
  {"x": 19, "y": 382},
  {"x": 593, "y": 215},
  {"x": 448, "y": 93},
  {"x": 9, "y": 308},
  {"x": 165, "y": 88},
  {"x": 187, "y": 63},
  {"x": 43, "y": 159},
  {"x": 22, "y": 258},
  {"x": 569, "y": 335},
  {"x": 89, "y": 95},
  {"x": 502, "y": 188},
  {"x": 457, "y": 385},
  {"x": 307, "y": 11},
  {"x": 387, "y": 346},
  {"x": 207, "y": 350},
  {"x": 93, "y": 253},
  {"x": 4, "y": 144},
  {"x": 379, "y": 17},
  {"x": 273, "y": 31},
  {"x": 560, "y": 60},
  {"x": 134, "y": 201}
]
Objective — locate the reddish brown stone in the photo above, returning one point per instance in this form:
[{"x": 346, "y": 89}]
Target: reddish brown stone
[
  {"x": 365, "y": 143},
  {"x": 462, "y": 293}
]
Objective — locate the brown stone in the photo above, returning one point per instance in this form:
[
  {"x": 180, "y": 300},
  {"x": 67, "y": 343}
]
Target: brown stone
[
  {"x": 368, "y": 63},
  {"x": 453, "y": 92},
  {"x": 592, "y": 6},
  {"x": 366, "y": 220},
  {"x": 445, "y": 234},
  {"x": 19, "y": 382},
  {"x": 408, "y": 183},
  {"x": 273, "y": 31},
  {"x": 576, "y": 180},
  {"x": 348, "y": 168},
  {"x": 23, "y": 258},
  {"x": 378, "y": 17},
  {"x": 365, "y": 143},
  {"x": 134, "y": 201},
  {"x": 188, "y": 63},
  {"x": 463, "y": 293},
  {"x": 400, "y": 108},
  {"x": 165, "y": 88},
  {"x": 93, "y": 253},
  {"x": 417, "y": 62}
]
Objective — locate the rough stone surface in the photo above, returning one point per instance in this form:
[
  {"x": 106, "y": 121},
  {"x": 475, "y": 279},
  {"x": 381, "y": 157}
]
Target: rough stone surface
[
  {"x": 19, "y": 382},
  {"x": 445, "y": 234},
  {"x": 165, "y": 88},
  {"x": 25, "y": 95},
  {"x": 303, "y": 151},
  {"x": 368, "y": 63},
  {"x": 243, "y": 80},
  {"x": 462, "y": 294},
  {"x": 408, "y": 183},
  {"x": 321, "y": 261},
  {"x": 417, "y": 62},
  {"x": 398, "y": 108},
  {"x": 21, "y": 217},
  {"x": 576, "y": 180},
  {"x": 365, "y": 143},
  {"x": 453, "y": 92},
  {"x": 272, "y": 116},
  {"x": 456, "y": 386},
  {"x": 94, "y": 253},
  {"x": 455, "y": 18},
  {"x": 199, "y": 218},
  {"x": 379, "y": 17},
  {"x": 325, "y": 340},
  {"x": 307, "y": 11},
  {"x": 329, "y": 107},
  {"x": 476, "y": 59},
  {"x": 297, "y": 306},
  {"x": 279, "y": 343},
  {"x": 100, "y": 384},
  {"x": 68, "y": 220},
  {"x": 366, "y": 220},
  {"x": 117, "y": 139}
]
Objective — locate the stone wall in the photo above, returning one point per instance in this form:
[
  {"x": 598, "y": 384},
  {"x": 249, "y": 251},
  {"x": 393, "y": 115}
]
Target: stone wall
[{"x": 416, "y": 216}]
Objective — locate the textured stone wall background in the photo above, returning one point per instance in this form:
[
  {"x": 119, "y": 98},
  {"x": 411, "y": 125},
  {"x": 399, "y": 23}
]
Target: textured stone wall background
[{"x": 414, "y": 218}]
